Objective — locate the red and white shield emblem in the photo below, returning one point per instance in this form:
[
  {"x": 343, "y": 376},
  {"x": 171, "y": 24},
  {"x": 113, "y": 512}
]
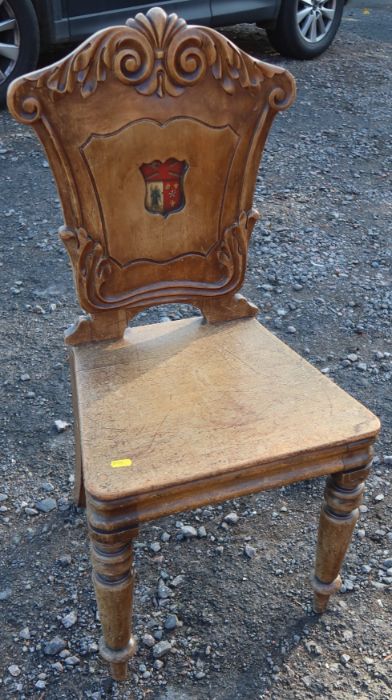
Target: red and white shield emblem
[{"x": 164, "y": 185}]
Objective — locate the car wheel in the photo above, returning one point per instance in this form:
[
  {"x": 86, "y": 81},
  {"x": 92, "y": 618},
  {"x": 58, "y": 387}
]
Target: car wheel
[
  {"x": 19, "y": 41},
  {"x": 305, "y": 28}
]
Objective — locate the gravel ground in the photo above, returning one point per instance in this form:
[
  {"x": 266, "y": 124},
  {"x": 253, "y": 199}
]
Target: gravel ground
[{"x": 237, "y": 626}]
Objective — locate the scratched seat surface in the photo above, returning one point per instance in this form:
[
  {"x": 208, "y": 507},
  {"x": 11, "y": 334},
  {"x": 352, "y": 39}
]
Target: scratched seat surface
[{"x": 185, "y": 400}]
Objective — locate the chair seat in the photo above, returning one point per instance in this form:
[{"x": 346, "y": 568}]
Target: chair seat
[{"x": 186, "y": 401}]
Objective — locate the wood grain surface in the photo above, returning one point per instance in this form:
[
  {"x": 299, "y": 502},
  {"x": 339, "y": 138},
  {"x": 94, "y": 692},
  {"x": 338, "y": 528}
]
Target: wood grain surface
[{"x": 186, "y": 400}]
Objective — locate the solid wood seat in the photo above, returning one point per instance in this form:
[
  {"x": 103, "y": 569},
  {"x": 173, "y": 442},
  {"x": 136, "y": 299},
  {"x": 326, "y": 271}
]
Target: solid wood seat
[
  {"x": 187, "y": 401},
  {"x": 154, "y": 132}
]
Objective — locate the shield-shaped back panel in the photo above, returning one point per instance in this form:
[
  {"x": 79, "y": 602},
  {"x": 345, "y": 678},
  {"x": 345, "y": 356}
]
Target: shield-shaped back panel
[{"x": 154, "y": 132}]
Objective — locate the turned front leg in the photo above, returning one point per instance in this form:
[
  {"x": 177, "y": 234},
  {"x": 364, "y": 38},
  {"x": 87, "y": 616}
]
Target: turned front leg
[
  {"x": 339, "y": 514},
  {"x": 113, "y": 575}
]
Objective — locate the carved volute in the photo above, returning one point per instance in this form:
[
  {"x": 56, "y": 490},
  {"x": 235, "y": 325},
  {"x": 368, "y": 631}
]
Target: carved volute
[{"x": 154, "y": 132}]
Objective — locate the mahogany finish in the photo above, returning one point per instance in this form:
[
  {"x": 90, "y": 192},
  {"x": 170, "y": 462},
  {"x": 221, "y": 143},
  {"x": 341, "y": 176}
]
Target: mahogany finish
[{"x": 154, "y": 132}]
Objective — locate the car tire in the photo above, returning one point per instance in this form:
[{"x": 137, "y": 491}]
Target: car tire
[
  {"x": 19, "y": 41},
  {"x": 306, "y": 28}
]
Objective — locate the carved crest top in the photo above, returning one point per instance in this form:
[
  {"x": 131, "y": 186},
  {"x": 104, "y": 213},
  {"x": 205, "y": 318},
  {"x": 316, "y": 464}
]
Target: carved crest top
[{"x": 156, "y": 54}]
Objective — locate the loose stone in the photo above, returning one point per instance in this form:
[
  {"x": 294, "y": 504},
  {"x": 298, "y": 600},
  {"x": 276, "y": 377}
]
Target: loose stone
[
  {"x": 61, "y": 425},
  {"x": 72, "y": 661},
  {"x": 58, "y": 667},
  {"x": 231, "y": 518},
  {"x": 177, "y": 581},
  {"x": 161, "y": 649},
  {"x": 70, "y": 619},
  {"x": 347, "y": 635},
  {"x": 188, "y": 531},
  {"x": 46, "y": 505},
  {"x": 65, "y": 560},
  {"x": 171, "y": 622},
  {"x": 250, "y": 551},
  {"x": 54, "y": 646},
  {"x": 163, "y": 590},
  {"x": 5, "y": 594},
  {"x": 14, "y": 670},
  {"x": 148, "y": 640}
]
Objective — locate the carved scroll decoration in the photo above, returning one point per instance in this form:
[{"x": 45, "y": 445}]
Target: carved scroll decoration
[
  {"x": 92, "y": 268},
  {"x": 157, "y": 54}
]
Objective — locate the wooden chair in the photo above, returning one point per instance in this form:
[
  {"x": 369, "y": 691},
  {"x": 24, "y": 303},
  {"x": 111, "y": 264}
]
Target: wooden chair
[{"x": 154, "y": 132}]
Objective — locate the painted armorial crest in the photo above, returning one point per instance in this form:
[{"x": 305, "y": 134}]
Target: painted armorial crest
[{"x": 154, "y": 132}]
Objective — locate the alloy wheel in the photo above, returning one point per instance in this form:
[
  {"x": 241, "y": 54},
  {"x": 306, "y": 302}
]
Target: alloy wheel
[
  {"x": 314, "y": 18},
  {"x": 9, "y": 40}
]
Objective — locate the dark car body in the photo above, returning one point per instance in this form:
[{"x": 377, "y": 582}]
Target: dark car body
[
  {"x": 296, "y": 28},
  {"x": 63, "y": 21}
]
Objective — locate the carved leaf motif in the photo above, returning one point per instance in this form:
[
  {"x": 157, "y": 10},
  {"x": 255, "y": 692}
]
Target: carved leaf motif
[{"x": 158, "y": 54}]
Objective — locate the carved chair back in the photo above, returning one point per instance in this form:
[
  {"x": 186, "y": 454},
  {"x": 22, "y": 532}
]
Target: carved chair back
[{"x": 154, "y": 132}]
